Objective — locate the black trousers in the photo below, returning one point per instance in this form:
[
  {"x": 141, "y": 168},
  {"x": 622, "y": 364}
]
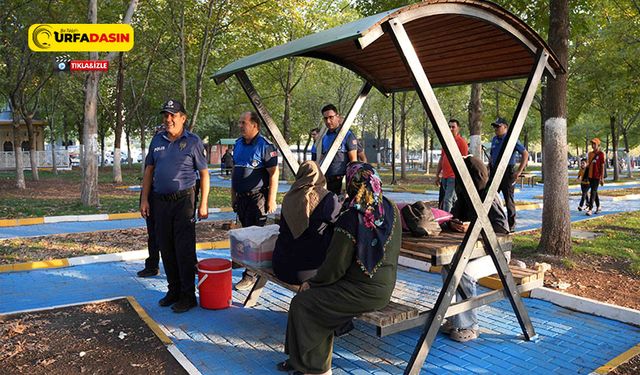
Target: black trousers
[
  {"x": 251, "y": 208},
  {"x": 507, "y": 189},
  {"x": 176, "y": 235},
  {"x": 585, "y": 194},
  {"x": 154, "y": 251},
  {"x": 153, "y": 260},
  {"x": 334, "y": 184},
  {"x": 594, "y": 183}
]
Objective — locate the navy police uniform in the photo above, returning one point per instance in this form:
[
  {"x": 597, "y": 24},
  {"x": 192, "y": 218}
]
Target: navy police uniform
[
  {"x": 506, "y": 184},
  {"x": 338, "y": 167},
  {"x": 174, "y": 198},
  {"x": 250, "y": 178}
]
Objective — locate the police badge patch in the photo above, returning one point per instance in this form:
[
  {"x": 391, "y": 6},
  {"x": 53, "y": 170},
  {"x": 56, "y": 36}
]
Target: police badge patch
[{"x": 183, "y": 144}]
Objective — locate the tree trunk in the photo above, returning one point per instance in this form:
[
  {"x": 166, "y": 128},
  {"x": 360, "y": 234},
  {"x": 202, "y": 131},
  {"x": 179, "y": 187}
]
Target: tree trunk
[
  {"x": 475, "y": 120},
  {"x": 52, "y": 139},
  {"x": 614, "y": 146},
  {"x": 431, "y": 150},
  {"x": 403, "y": 131},
  {"x": 425, "y": 145},
  {"x": 543, "y": 106},
  {"x": 117, "y": 170},
  {"x": 17, "y": 149},
  {"x": 286, "y": 123},
  {"x": 28, "y": 119},
  {"x": 89, "y": 190},
  {"x": 625, "y": 139},
  {"x": 143, "y": 144},
  {"x": 556, "y": 225},
  {"x": 183, "y": 58},
  {"x": 378, "y": 142}
]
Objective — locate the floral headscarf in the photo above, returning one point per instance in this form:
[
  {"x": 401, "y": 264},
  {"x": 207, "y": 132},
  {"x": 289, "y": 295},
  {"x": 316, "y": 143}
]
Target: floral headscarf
[{"x": 372, "y": 216}]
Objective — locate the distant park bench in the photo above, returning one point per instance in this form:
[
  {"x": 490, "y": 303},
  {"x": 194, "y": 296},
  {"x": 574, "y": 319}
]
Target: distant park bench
[{"x": 401, "y": 314}]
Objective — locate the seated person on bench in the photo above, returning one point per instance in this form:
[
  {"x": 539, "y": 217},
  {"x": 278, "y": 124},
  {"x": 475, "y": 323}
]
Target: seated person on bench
[
  {"x": 464, "y": 326},
  {"x": 309, "y": 211},
  {"x": 358, "y": 275}
]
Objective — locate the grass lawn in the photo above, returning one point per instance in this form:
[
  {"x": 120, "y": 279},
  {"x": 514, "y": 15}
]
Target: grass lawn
[
  {"x": 59, "y": 194},
  {"x": 619, "y": 239},
  {"x": 614, "y": 192}
]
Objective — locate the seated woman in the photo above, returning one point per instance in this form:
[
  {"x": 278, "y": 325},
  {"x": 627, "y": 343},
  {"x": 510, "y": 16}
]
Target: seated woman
[
  {"x": 464, "y": 326},
  {"x": 309, "y": 211},
  {"x": 358, "y": 275}
]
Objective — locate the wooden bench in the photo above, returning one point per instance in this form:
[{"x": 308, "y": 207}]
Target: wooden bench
[
  {"x": 382, "y": 319},
  {"x": 398, "y": 315},
  {"x": 529, "y": 178}
]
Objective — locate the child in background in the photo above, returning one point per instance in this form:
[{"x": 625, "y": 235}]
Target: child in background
[{"x": 583, "y": 178}]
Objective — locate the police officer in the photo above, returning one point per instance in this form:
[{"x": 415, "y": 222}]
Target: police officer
[
  {"x": 254, "y": 181},
  {"x": 510, "y": 176},
  {"x": 174, "y": 155},
  {"x": 151, "y": 263},
  {"x": 346, "y": 153}
]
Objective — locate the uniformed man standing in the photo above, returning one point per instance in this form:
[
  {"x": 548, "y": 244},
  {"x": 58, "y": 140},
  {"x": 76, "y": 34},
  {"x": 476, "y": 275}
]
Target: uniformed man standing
[
  {"x": 254, "y": 181},
  {"x": 174, "y": 155},
  {"x": 346, "y": 153},
  {"x": 511, "y": 175}
]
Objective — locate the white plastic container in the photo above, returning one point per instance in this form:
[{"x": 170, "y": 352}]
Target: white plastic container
[{"x": 254, "y": 246}]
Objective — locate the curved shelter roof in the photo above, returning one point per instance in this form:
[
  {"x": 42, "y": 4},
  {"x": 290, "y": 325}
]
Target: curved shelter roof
[{"x": 457, "y": 42}]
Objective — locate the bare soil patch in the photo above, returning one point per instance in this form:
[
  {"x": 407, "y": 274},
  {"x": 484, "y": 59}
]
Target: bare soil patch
[
  {"x": 91, "y": 243},
  {"x": 601, "y": 278},
  {"x": 97, "y": 338}
]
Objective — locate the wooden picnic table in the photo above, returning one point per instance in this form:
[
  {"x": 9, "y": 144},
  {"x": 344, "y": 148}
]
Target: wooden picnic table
[{"x": 440, "y": 250}]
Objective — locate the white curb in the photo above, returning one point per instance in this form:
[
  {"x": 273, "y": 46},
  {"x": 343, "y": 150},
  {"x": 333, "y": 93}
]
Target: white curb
[
  {"x": 103, "y": 258},
  {"x": 60, "y": 219},
  {"x": 589, "y": 306},
  {"x": 182, "y": 360}
]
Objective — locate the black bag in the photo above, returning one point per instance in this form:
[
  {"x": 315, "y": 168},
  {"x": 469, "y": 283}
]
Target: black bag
[{"x": 420, "y": 220}]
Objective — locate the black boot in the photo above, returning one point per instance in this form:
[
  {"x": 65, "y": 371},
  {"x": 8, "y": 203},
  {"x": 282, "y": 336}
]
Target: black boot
[
  {"x": 185, "y": 303},
  {"x": 169, "y": 299}
]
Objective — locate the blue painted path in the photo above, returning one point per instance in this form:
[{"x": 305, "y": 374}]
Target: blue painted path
[{"x": 250, "y": 341}]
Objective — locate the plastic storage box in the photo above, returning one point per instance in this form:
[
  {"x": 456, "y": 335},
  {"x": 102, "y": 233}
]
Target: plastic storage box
[{"x": 254, "y": 246}]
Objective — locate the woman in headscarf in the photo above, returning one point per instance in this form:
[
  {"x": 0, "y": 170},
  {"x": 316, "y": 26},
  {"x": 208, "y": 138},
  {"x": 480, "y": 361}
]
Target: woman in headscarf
[
  {"x": 309, "y": 211},
  {"x": 358, "y": 275}
]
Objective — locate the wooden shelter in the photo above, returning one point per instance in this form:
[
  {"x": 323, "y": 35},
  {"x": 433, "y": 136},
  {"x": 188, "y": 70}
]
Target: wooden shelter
[{"x": 417, "y": 47}]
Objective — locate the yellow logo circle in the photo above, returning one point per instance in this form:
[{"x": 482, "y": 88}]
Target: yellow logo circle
[{"x": 41, "y": 36}]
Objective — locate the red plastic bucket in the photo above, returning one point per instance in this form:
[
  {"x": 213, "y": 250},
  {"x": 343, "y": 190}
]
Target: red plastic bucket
[{"x": 214, "y": 283}]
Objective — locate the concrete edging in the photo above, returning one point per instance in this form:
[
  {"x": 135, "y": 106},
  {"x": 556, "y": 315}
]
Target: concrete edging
[
  {"x": 101, "y": 258},
  {"x": 83, "y": 218},
  {"x": 589, "y": 306}
]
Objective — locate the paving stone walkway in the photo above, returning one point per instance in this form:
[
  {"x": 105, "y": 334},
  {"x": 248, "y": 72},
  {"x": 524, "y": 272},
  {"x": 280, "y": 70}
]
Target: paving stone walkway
[{"x": 250, "y": 341}]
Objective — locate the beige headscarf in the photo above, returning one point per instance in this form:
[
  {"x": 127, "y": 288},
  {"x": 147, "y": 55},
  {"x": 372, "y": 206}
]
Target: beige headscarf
[{"x": 303, "y": 197}]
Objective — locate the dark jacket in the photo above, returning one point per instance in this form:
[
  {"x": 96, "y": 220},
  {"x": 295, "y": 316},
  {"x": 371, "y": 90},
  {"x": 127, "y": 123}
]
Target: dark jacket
[{"x": 308, "y": 251}]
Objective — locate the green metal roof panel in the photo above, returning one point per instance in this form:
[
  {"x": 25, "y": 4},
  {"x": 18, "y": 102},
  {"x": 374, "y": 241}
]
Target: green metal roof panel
[{"x": 352, "y": 30}]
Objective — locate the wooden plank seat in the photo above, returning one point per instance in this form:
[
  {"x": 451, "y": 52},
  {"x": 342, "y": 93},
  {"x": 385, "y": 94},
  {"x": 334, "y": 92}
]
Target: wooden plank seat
[
  {"x": 384, "y": 318},
  {"x": 440, "y": 249},
  {"x": 526, "y": 280}
]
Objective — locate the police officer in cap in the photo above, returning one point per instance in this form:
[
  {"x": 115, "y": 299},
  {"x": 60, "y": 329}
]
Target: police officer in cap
[
  {"x": 347, "y": 152},
  {"x": 174, "y": 156},
  {"x": 254, "y": 181}
]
